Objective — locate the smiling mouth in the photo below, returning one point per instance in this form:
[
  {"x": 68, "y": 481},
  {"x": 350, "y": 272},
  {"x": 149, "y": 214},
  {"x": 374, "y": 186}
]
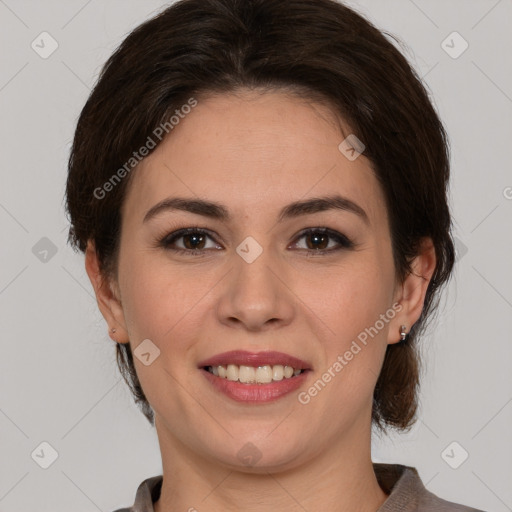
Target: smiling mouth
[{"x": 254, "y": 375}]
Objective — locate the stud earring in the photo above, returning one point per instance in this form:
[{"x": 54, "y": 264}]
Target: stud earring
[
  {"x": 113, "y": 330},
  {"x": 403, "y": 333}
]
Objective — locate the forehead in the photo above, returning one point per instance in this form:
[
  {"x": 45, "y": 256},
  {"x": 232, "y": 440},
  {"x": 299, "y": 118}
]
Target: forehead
[{"x": 255, "y": 152}]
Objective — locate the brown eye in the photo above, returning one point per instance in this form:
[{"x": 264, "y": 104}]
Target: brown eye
[
  {"x": 318, "y": 240},
  {"x": 188, "y": 240},
  {"x": 193, "y": 241}
]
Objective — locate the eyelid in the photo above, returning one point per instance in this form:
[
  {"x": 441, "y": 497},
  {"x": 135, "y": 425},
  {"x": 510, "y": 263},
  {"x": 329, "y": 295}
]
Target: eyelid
[
  {"x": 169, "y": 238},
  {"x": 342, "y": 240}
]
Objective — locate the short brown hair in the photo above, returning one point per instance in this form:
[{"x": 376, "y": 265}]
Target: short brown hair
[{"x": 323, "y": 47}]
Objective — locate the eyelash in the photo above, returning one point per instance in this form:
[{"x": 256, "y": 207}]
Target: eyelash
[{"x": 343, "y": 241}]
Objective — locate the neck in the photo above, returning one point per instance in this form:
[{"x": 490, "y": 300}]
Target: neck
[{"x": 340, "y": 479}]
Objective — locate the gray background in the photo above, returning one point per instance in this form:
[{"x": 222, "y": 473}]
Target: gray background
[{"x": 58, "y": 379}]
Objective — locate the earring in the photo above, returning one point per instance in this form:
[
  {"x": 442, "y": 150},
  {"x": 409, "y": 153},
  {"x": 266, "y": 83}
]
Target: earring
[
  {"x": 113, "y": 330},
  {"x": 403, "y": 333}
]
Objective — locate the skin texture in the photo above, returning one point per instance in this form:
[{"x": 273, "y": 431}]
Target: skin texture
[{"x": 255, "y": 153}]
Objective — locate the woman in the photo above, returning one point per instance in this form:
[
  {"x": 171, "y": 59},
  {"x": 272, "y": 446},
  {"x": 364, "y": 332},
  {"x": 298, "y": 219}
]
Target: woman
[{"x": 259, "y": 188}]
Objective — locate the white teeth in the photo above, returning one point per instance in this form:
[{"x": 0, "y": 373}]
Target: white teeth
[
  {"x": 278, "y": 372},
  {"x": 232, "y": 372},
  {"x": 251, "y": 374},
  {"x": 247, "y": 374},
  {"x": 264, "y": 374}
]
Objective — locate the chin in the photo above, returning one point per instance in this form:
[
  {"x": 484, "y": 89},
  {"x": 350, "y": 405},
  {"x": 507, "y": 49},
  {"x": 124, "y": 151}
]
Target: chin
[{"x": 258, "y": 455}]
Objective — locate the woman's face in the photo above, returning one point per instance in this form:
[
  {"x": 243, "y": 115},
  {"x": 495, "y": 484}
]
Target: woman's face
[{"x": 253, "y": 282}]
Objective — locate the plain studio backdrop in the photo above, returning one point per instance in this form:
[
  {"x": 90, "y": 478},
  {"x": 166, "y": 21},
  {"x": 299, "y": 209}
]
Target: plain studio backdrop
[{"x": 60, "y": 390}]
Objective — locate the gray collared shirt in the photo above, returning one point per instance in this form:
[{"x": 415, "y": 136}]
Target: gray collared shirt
[{"x": 406, "y": 493}]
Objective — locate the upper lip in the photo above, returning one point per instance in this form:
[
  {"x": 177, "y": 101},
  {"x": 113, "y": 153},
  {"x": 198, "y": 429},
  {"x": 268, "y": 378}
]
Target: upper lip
[{"x": 242, "y": 357}]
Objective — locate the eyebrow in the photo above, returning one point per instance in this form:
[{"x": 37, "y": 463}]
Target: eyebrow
[{"x": 217, "y": 211}]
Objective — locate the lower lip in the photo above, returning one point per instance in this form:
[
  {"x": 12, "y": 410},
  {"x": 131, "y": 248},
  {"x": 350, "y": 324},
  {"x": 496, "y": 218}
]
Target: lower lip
[{"x": 256, "y": 393}]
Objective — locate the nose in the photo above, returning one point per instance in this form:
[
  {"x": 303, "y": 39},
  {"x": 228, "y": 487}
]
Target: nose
[{"x": 256, "y": 295}]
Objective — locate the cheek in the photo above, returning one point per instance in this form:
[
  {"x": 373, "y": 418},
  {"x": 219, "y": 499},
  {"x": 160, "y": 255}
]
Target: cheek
[
  {"x": 161, "y": 299},
  {"x": 163, "y": 304},
  {"x": 351, "y": 296},
  {"x": 354, "y": 303}
]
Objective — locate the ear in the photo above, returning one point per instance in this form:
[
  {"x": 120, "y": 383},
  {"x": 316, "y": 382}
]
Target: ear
[
  {"x": 107, "y": 296},
  {"x": 411, "y": 293}
]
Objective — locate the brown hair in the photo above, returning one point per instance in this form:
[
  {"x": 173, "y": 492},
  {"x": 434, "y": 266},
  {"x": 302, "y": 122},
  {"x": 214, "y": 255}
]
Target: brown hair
[{"x": 197, "y": 47}]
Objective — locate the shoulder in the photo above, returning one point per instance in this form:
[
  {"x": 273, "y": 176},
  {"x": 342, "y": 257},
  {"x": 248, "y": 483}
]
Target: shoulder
[
  {"x": 147, "y": 493},
  {"x": 431, "y": 502},
  {"x": 408, "y": 494}
]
